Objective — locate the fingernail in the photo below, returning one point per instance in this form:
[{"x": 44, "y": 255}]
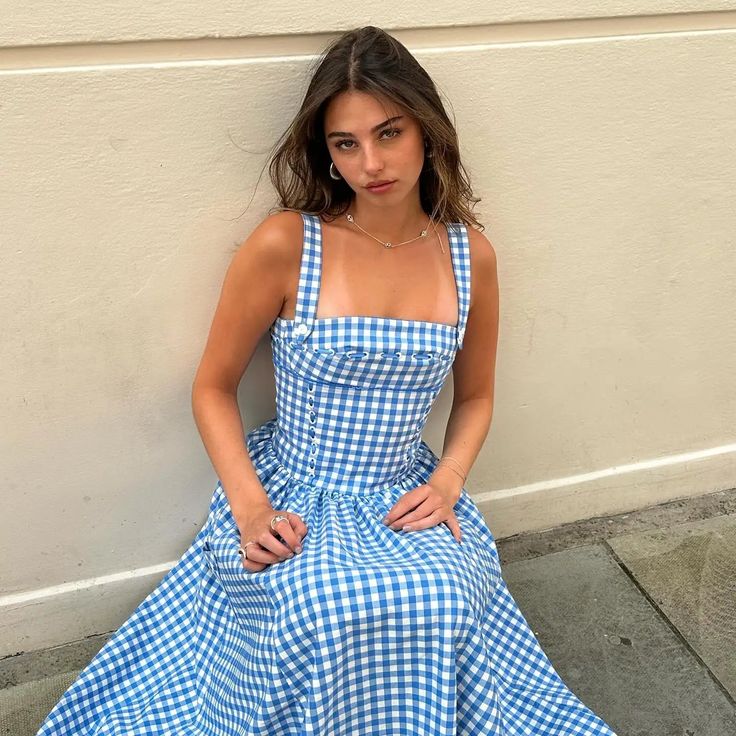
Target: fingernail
[
  {"x": 407, "y": 527},
  {"x": 298, "y": 549},
  {"x": 291, "y": 554},
  {"x": 385, "y": 519}
]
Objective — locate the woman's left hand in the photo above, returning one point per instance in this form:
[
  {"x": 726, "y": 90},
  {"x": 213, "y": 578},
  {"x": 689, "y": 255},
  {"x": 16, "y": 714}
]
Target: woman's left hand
[{"x": 427, "y": 505}]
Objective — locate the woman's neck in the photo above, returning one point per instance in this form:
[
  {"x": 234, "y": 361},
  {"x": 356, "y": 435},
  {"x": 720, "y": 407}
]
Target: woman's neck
[{"x": 392, "y": 224}]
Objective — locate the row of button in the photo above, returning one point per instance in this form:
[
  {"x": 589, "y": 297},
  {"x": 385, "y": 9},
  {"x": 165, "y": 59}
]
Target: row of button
[{"x": 312, "y": 461}]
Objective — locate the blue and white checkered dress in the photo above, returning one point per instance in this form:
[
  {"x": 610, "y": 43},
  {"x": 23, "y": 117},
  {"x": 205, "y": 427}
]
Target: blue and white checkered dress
[{"x": 368, "y": 631}]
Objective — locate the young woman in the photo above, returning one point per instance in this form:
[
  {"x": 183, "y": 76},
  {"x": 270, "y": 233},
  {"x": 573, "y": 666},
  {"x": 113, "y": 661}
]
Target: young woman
[{"x": 344, "y": 583}]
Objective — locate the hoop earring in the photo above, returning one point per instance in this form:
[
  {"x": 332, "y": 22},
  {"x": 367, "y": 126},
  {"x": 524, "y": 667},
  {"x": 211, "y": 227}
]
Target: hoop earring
[{"x": 332, "y": 164}]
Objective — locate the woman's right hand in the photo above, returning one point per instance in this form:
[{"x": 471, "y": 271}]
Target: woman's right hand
[{"x": 268, "y": 547}]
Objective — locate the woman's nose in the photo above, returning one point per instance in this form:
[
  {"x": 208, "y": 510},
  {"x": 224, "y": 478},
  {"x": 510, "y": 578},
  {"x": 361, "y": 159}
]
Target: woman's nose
[{"x": 372, "y": 160}]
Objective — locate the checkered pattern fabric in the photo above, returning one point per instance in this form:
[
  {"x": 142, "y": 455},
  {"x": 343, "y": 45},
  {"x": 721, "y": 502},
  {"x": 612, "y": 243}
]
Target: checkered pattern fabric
[{"x": 367, "y": 632}]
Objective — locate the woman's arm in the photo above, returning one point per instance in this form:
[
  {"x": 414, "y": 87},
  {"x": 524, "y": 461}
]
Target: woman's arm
[
  {"x": 252, "y": 295},
  {"x": 474, "y": 369}
]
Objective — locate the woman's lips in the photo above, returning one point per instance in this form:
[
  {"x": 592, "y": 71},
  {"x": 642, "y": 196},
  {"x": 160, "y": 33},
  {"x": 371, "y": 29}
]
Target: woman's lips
[{"x": 381, "y": 188}]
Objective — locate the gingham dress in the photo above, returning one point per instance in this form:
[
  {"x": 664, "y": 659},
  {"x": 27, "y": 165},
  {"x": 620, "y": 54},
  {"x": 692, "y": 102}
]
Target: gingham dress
[{"x": 369, "y": 631}]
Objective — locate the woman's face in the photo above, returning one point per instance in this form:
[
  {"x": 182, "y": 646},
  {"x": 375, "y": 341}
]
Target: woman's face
[{"x": 370, "y": 141}]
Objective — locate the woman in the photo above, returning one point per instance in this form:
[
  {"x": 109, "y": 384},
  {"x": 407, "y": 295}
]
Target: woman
[{"x": 344, "y": 582}]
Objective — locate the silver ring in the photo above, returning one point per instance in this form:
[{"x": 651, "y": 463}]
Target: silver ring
[
  {"x": 243, "y": 551},
  {"x": 276, "y": 519}
]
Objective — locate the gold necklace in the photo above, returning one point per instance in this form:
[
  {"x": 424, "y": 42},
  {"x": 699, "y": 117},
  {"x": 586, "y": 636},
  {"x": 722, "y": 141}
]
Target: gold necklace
[{"x": 423, "y": 234}]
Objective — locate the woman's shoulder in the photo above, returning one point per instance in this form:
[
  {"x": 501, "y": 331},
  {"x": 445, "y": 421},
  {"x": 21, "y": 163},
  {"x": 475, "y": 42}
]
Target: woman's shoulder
[
  {"x": 281, "y": 222},
  {"x": 483, "y": 265},
  {"x": 278, "y": 236},
  {"x": 481, "y": 248}
]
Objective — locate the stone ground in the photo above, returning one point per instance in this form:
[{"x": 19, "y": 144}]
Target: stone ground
[{"x": 636, "y": 611}]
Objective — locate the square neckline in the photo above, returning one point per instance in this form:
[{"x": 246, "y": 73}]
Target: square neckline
[{"x": 372, "y": 317}]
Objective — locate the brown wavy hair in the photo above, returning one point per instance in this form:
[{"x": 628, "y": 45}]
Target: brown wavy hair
[{"x": 369, "y": 60}]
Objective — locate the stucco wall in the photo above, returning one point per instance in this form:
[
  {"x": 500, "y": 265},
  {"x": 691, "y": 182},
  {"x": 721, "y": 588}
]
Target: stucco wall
[{"x": 600, "y": 137}]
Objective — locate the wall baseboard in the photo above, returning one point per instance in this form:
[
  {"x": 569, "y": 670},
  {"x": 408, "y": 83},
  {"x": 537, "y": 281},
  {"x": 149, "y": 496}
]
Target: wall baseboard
[
  {"x": 616, "y": 490},
  {"x": 49, "y": 617}
]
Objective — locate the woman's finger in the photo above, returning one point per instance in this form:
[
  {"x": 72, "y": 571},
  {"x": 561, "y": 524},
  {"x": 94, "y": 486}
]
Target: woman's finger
[
  {"x": 298, "y": 524},
  {"x": 454, "y": 526},
  {"x": 423, "y": 522},
  {"x": 434, "y": 519},
  {"x": 425, "y": 510},
  {"x": 253, "y": 566},
  {"x": 271, "y": 544},
  {"x": 258, "y": 553},
  {"x": 410, "y": 501},
  {"x": 286, "y": 531}
]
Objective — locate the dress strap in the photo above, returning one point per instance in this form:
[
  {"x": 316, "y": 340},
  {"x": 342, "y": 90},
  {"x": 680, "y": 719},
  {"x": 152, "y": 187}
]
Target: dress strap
[
  {"x": 457, "y": 233},
  {"x": 309, "y": 277}
]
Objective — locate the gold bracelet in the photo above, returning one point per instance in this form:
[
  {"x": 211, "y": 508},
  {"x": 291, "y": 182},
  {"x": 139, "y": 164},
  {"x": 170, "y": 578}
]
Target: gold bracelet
[
  {"x": 448, "y": 457},
  {"x": 446, "y": 460},
  {"x": 449, "y": 467}
]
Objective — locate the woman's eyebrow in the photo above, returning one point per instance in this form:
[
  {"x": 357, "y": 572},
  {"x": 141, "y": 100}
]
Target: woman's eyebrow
[{"x": 336, "y": 133}]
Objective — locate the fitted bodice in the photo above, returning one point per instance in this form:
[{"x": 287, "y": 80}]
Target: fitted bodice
[{"x": 353, "y": 392}]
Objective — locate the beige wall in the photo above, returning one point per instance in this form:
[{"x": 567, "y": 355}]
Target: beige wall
[{"x": 601, "y": 142}]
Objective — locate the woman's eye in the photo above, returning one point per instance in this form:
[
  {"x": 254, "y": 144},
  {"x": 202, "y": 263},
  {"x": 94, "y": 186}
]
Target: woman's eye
[{"x": 397, "y": 131}]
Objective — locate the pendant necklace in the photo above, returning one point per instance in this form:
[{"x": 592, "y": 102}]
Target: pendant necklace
[{"x": 422, "y": 234}]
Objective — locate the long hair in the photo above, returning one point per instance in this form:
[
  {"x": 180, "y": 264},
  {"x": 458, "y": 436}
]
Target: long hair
[{"x": 369, "y": 60}]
